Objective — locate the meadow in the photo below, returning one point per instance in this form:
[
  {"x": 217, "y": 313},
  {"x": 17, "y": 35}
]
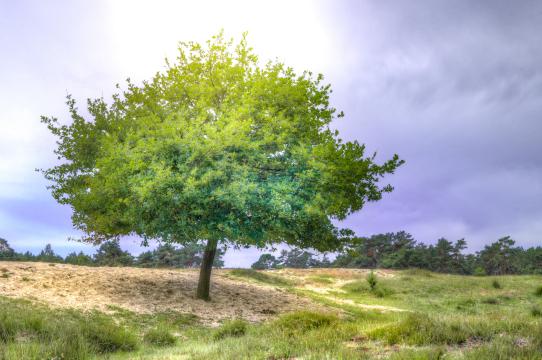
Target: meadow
[{"x": 409, "y": 314}]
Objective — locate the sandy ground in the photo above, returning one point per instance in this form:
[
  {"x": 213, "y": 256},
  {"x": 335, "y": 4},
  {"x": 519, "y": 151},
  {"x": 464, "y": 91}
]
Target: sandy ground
[{"x": 145, "y": 291}]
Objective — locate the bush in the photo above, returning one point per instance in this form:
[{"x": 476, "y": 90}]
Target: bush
[
  {"x": 159, "y": 336},
  {"x": 372, "y": 280},
  {"x": 538, "y": 291},
  {"x": 232, "y": 328},
  {"x": 302, "y": 321},
  {"x": 496, "y": 284}
]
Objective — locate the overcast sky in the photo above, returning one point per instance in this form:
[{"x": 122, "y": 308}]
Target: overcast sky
[{"x": 454, "y": 87}]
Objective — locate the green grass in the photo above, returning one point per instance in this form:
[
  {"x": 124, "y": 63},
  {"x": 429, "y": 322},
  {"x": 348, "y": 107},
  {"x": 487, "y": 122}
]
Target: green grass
[
  {"x": 261, "y": 276},
  {"x": 321, "y": 279},
  {"x": 160, "y": 336},
  {"x": 303, "y": 321},
  {"x": 36, "y": 332},
  {"x": 232, "y": 328}
]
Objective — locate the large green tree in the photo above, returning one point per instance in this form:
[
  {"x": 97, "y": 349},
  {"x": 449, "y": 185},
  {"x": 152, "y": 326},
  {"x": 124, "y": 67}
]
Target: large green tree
[{"x": 217, "y": 147}]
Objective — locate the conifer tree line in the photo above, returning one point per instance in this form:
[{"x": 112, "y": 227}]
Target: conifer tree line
[
  {"x": 401, "y": 251},
  {"x": 110, "y": 254},
  {"x": 389, "y": 251}
]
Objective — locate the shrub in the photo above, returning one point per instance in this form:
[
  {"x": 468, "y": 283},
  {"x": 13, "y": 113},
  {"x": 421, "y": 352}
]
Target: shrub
[
  {"x": 496, "y": 284},
  {"x": 232, "y": 328},
  {"x": 372, "y": 280},
  {"x": 159, "y": 336},
  {"x": 303, "y": 321},
  {"x": 538, "y": 291},
  {"x": 479, "y": 271}
]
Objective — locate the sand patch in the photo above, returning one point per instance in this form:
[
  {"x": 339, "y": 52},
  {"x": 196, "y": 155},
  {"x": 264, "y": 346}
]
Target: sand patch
[{"x": 145, "y": 291}]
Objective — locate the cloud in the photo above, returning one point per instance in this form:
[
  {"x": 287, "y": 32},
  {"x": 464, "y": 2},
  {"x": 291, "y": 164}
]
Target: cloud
[{"x": 454, "y": 87}]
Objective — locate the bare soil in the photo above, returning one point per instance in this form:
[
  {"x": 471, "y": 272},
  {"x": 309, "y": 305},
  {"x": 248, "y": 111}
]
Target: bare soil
[{"x": 145, "y": 291}]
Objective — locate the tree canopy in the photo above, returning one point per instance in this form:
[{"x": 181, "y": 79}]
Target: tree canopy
[{"x": 216, "y": 147}]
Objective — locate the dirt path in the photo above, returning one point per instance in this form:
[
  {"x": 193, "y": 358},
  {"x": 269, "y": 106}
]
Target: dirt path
[{"x": 144, "y": 291}]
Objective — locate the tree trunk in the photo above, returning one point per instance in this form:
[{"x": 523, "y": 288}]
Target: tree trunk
[{"x": 205, "y": 270}]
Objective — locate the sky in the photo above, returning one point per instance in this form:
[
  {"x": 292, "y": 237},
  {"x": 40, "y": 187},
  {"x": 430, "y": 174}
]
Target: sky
[{"x": 454, "y": 87}]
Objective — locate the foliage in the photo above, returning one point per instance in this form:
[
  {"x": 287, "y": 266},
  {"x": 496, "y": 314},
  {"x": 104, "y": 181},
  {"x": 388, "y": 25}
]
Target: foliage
[
  {"x": 110, "y": 254},
  {"x": 79, "y": 259},
  {"x": 6, "y": 252},
  {"x": 401, "y": 251},
  {"x": 48, "y": 255},
  {"x": 295, "y": 258},
  {"x": 499, "y": 257},
  {"x": 266, "y": 262},
  {"x": 215, "y": 147},
  {"x": 496, "y": 284},
  {"x": 186, "y": 256}
]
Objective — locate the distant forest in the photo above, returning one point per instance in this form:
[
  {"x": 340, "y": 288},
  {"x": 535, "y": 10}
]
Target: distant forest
[{"x": 388, "y": 251}]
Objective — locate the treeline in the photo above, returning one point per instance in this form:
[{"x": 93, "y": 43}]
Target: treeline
[
  {"x": 401, "y": 251},
  {"x": 390, "y": 251},
  {"x": 110, "y": 254}
]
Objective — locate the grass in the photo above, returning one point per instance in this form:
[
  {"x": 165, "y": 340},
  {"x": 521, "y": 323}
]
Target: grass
[
  {"x": 536, "y": 311},
  {"x": 321, "y": 279},
  {"x": 38, "y": 332},
  {"x": 261, "y": 276},
  {"x": 444, "y": 317},
  {"x": 496, "y": 284},
  {"x": 160, "y": 336},
  {"x": 232, "y": 328},
  {"x": 303, "y": 321}
]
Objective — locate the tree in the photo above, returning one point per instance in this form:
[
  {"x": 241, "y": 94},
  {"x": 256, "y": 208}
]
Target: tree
[
  {"x": 110, "y": 254},
  {"x": 266, "y": 262},
  {"x": 167, "y": 255},
  {"x": 216, "y": 148},
  {"x": 297, "y": 258},
  {"x": 48, "y": 255},
  {"x": 6, "y": 252},
  {"x": 78, "y": 259},
  {"x": 499, "y": 257}
]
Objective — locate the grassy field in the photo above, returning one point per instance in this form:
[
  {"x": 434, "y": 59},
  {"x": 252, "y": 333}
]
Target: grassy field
[{"x": 409, "y": 314}]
